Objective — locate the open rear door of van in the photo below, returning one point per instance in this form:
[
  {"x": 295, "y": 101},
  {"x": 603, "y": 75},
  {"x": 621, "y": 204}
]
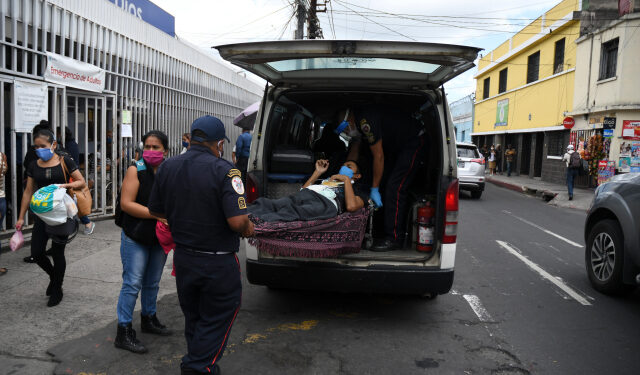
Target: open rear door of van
[{"x": 308, "y": 63}]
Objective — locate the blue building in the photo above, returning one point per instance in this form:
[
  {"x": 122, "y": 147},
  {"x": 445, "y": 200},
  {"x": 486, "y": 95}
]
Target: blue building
[{"x": 462, "y": 114}]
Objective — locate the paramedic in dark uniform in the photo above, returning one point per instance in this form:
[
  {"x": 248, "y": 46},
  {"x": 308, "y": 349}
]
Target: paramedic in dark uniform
[
  {"x": 202, "y": 197},
  {"x": 394, "y": 141}
]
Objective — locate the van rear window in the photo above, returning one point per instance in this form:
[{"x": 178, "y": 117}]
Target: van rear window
[
  {"x": 467, "y": 152},
  {"x": 352, "y": 63}
]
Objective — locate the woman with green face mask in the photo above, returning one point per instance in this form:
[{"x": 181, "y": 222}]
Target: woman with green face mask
[{"x": 48, "y": 170}]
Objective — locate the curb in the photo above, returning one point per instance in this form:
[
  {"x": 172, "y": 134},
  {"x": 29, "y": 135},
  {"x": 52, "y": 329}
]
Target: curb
[
  {"x": 514, "y": 187},
  {"x": 546, "y": 195}
]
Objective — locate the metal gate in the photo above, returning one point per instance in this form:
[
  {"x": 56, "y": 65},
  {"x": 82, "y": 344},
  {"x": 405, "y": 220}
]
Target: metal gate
[
  {"x": 15, "y": 144},
  {"x": 92, "y": 120}
]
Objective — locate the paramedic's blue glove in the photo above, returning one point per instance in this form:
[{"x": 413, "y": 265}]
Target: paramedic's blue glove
[{"x": 375, "y": 197}]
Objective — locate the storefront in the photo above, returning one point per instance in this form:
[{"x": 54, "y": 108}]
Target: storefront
[
  {"x": 610, "y": 142},
  {"x": 102, "y": 78}
]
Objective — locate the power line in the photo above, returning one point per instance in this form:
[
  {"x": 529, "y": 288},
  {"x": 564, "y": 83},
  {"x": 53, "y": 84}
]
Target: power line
[
  {"x": 251, "y": 22},
  {"x": 376, "y": 11},
  {"x": 331, "y": 21},
  {"x": 377, "y": 23},
  {"x": 284, "y": 28},
  {"x": 441, "y": 23}
]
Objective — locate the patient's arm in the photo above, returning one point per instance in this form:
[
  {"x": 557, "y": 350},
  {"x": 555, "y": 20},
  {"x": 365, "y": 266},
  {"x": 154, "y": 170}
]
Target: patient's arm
[
  {"x": 352, "y": 202},
  {"x": 321, "y": 166}
]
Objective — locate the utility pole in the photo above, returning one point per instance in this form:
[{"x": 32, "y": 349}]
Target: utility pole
[
  {"x": 314, "y": 31},
  {"x": 302, "y": 16},
  {"x": 311, "y": 31}
]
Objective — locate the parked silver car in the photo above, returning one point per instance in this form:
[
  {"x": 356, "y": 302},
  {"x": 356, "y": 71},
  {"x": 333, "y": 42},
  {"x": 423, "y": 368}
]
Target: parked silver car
[
  {"x": 612, "y": 235},
  {"x": 470, "y": 169}
]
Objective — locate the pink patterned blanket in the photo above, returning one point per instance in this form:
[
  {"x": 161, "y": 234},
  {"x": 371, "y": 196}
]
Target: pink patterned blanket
[{"x": 325, "y": 238}]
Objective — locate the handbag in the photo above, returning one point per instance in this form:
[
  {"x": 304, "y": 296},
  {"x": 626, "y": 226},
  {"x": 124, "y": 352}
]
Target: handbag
[{"x": 82, "y": 195}]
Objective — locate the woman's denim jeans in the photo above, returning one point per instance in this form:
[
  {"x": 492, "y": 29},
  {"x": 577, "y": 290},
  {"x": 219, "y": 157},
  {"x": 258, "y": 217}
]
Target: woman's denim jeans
[{"x": 141, "y": 270}]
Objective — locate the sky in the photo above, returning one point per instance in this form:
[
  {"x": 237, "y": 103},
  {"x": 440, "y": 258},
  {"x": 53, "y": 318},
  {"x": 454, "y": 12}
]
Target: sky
[{"x": 483, "y": 24}]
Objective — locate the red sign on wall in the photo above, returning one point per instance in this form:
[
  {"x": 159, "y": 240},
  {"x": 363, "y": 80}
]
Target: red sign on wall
[
  {"x": 631, "y": 130},
  {"x": 568, "y": 122}
]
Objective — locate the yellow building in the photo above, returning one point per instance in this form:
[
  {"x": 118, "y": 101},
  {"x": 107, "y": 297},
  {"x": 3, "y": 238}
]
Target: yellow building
[{"x": 525, "y": 88}]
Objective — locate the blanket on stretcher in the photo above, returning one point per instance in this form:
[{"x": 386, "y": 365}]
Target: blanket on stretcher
[{"x": 324, "y": 238}]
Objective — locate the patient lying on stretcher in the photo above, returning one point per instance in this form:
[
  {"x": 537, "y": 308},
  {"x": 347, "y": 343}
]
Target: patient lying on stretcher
[{"x": 342, "y": 192}]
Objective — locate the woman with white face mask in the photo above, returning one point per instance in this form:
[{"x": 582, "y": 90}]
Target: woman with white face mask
[{"x": 45, "y": 171}]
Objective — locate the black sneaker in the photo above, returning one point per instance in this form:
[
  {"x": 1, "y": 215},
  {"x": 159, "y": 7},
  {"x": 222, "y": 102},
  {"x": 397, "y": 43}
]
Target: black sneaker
[{"x": 29, "y": 259}]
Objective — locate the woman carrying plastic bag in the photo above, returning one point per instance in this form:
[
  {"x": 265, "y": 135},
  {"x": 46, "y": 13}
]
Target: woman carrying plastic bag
[{"x": 45, "y": 171}]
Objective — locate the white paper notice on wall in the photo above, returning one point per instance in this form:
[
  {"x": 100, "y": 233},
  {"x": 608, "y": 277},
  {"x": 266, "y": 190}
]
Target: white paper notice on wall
[
  {"x": 31, "y": 105},
  {"x": 126, "y": 130}
]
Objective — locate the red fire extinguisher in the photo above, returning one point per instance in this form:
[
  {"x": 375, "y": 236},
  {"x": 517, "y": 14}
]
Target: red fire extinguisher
[{"x": 425, "y": 227}]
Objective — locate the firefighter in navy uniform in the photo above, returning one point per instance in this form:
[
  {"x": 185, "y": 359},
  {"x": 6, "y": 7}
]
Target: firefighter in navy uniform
[
  {"x": 394, "y": 141},
  {"x": 202, "y": 197}
]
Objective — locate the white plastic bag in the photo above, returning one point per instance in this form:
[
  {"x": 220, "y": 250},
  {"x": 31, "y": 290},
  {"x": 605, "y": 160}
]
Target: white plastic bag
[
  {"x": 49, "y": 204},
  {"x": 70, "y": 204}
]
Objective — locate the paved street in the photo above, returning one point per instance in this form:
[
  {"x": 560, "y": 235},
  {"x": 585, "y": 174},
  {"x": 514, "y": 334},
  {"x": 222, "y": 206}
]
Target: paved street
[{"x": 521, "y": 304}]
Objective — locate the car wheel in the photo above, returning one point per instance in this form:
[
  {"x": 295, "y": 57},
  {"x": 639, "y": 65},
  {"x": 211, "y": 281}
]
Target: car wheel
[
  {"x": 604, "y": 257},
  {"x": 429, "y": 296},
  {"x": 476, "y": 194}
]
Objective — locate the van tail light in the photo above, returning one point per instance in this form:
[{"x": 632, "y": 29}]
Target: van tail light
[
  {"x": 479, "y": 161},
  {"x": 252, "y": 189},
  {"x": 451, "y": 213}
]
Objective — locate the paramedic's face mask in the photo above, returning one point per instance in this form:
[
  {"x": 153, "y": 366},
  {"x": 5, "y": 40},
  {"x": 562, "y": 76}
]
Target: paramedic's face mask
[{"x": 345, "y": 130}]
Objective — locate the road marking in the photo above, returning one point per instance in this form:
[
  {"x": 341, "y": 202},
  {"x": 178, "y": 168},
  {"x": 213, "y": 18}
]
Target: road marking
[
  {"x": 477, "y": 307},
  {"x": 556, "y": 281},
  {"x": 543, "y": 229}
]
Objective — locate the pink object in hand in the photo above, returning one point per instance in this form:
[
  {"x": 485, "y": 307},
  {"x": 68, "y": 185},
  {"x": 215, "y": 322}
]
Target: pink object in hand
[
  {"x": 17, "y": 240},
  {"x": 166, "y": 240}
]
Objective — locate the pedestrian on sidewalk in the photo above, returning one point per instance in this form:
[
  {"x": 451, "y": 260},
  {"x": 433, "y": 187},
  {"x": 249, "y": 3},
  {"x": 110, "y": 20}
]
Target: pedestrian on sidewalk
[
  {"x": 74, "y": 151},
  {"x": 142, "y": 256},
  {"x": 30, "y": 157},
  {"x": 3, "y": 198},
  {"x": 572, "y": 160},
  {"x": 186, "y": 141},
  {"x": 492, "y": 161},
  {"x": 485, "y": 154},
  {"x": 243, "y": 146},
  {"x": 206, "y": 216},
  {"x": 498, "y": 159},
  {"x": 509, "y": 156},
  {"x": 43, "y": 172}
]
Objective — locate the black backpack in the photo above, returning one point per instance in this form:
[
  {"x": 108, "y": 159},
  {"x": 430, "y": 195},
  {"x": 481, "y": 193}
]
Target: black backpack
[{"x": 574, "y": 160}]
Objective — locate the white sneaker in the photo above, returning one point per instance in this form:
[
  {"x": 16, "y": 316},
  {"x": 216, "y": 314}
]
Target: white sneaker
[{"x": 89, "y": 230}]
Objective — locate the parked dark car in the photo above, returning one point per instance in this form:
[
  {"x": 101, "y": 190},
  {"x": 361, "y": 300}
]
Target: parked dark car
[{"x": 612, "y": 235}]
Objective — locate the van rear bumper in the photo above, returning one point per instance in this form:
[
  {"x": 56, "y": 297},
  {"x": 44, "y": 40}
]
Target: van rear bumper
[{"x": 340, "y": 278}]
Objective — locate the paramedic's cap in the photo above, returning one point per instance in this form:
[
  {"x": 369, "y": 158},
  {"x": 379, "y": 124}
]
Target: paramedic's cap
[
  {"x": 211, "y": 126},
  {"x": 570, "y": 147}
]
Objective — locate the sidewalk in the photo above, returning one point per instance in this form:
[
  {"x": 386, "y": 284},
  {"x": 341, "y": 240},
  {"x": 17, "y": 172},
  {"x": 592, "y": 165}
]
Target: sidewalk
[
  {"x": 29, "y": 329},
  {"x": 554, "y": 194}
]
